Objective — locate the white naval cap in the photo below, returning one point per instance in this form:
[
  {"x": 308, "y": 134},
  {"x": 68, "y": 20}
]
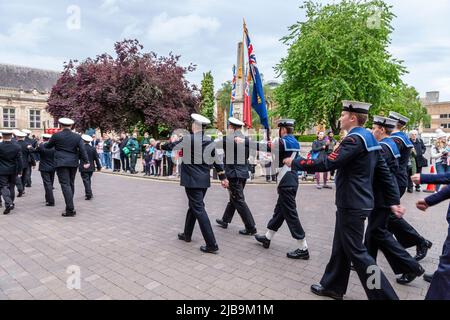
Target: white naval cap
[
  {"x": 356, "y": 106},
  {"x": 236, "y": 122},
  {"x": 46, "y": 136},
  {"x": 86, "y": 138},
  {"x": 286, "y": 123},
  {"x": 66, "y": 121},
  {"x": 6, "y": 132},
  {"x": 20, "y": 134},
  {"x": 385, "y": 122},
  {"x": 26, "y": 131},
  {"x": 198, "y": 118},
  {"x": 400, "y": 118},
  {"x": 441, "y": 135}
]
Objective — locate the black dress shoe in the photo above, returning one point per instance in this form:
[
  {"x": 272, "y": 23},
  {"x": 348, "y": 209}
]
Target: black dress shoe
[
  {"x": 410, "y": 191},
  {"x": 298, "y": 254},
  {"x": 222, "y": 223},
  {"x": 246, "y": 232},
  {"x": 88, "y": 197},
  {"x": 422, "y": 250},
  {"x": 207, "y": 249},
  {"x": 8, "y": 209},
  {"x": 321, "y": 291},
  {"x": 265, "y": 242},
  {"x": 20, "y": 195},
  {"x": 69, "y": 213},
  {"x": 50, "y": 204},
  {"x": 428, "y": 277},
  {"x": 410, "y": 277},
  {"x": 182, "y": 237}
]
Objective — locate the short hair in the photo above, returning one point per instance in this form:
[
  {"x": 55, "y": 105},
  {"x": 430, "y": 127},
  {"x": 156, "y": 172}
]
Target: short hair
[
  {"x": 360, "y": 118},
  {"x": 289, "y": 130},
  {"x": 389, "y": 130}
]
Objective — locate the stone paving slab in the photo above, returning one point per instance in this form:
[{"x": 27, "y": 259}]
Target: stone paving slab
[{"x": 125, "y": 244}]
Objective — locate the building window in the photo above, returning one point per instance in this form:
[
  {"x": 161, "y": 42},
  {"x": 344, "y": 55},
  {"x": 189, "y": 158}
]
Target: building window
[
  {"x": 444, "y": 125},
  {"x": 9, "y": 118},
  {"x": 35, "y": 119},
  {"x": 427, "y": 126},
  {"x": 444, "y": 116}
]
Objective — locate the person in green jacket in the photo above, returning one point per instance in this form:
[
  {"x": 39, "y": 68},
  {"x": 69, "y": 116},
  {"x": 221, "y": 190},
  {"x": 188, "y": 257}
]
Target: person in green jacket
[
  {"x": 133, "y": 146},
  {"x": 145, "y": 143}
]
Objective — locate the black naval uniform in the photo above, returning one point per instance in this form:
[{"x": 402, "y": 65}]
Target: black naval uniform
[
  {"x": 356, "y": 167},
  {"x": 237, "y": 172},
  {"x": 286, "y": 207},
  {"x": 402, "y": 230},
  {"x": 86, "y": 174},
  {"x": 195, "y": 177},
  {"x": 10, "y": 167},
  {"x": 47, "y": 168},
  {"x": 69, "y": 148},
  {"x": 31, "y": 160},
  {"x": 377, "y": 235},
  {"x": 27, "y": 163}
]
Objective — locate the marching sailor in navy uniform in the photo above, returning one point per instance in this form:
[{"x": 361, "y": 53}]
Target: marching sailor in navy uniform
[
  {"x": 402, "y": 230},
  {"x": 357, "y": 161},
  {"x": 440, "y": 280},
  {"x": 94, "y": 160},
  {"x": 377, "y": 235},
  {"x": 287, "y": 147},
  {"x": 10, "y": 169},
  {"x": 69, "y": 149},
  {"x": 237, "y": 172},
  {"x": 32, "y": 159},
  {"x": 27, "y": 161},
  {"x": 198, "y": 156},
  {"x": 47, "y": 168}
]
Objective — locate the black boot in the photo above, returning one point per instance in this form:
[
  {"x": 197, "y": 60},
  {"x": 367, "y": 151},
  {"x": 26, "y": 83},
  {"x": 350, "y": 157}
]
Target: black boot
[
  {"x": 183, "y": 237},
  {"x": 298, "y": 254},
  {"x": 222, "y": 223},
  {"x": 69, "y": 213},
  {"x": 8, "y": 209},
  {"x": 208, "y": 249},
  {"x": 247, "y": 232},
  {"x": 321, "y": 291},
  {"x": 410, "y": 277},
  {"x": 265, "y": 242},
  {"x": 422, "y": 250}
]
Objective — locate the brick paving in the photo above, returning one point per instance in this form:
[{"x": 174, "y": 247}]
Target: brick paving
[{"x": 125, "y": 244}]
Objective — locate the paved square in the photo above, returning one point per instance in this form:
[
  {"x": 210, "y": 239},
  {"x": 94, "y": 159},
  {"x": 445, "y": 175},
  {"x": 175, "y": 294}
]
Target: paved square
[{"x": 125, "y": 244}]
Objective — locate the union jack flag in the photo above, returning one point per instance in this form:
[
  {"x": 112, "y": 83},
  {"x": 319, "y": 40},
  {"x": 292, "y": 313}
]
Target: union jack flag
[{"x": 258, "y": 99}]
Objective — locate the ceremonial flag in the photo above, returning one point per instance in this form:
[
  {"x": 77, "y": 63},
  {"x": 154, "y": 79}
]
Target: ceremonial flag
[
  {"x": 247, "y": 101},
  {"x": 233, "y": 91},
  {"x": 258, "y": 100}
]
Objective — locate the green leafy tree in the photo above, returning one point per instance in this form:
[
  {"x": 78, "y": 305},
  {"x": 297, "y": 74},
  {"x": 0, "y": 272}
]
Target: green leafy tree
[
  {"x": 339, "y": 53},
  {"x": 207, "y": 96}
]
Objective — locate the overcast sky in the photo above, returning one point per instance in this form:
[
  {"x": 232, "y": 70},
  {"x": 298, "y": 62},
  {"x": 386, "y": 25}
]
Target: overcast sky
[{"x": 45, "y": 33}]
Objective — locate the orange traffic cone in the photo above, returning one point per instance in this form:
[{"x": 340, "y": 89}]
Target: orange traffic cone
[{"x": 431, "y": 188}]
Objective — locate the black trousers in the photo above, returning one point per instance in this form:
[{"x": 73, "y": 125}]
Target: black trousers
[
  {"x": 7, "y": 186},
  {"x": 237, "y": 202},
  {"x": 286, "y": 207},
  {"x": 403, "y": 231},
  {"x": 196, "y": 212},
  {"x": 116, "y": 165},
  {"x": 21, "y": 182},
  {"x": 379, "y": 238},
  {"x": 66, "y": 177},
  {"x": 133, "y": 161},
  {"x": 87, "y": 182},
  {"x": 28, "y": 175},
  {"x": 48, "y": 179},
  {"x": 348, "y": 248},
  {"x": 125, "y": 162}
]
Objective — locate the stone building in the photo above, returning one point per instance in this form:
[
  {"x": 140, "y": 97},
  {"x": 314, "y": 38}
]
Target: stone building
[
  {"x": 24, "y": 93},
  {"x": 439, "y": 112}
]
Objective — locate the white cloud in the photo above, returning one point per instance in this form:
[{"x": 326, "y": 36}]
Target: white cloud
[
  {"x": 24, "y": 35},
  {"x": 132, "y": 31},
  {"x": 110, "y": 6},
  {"x": 165, "y": 29}
]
